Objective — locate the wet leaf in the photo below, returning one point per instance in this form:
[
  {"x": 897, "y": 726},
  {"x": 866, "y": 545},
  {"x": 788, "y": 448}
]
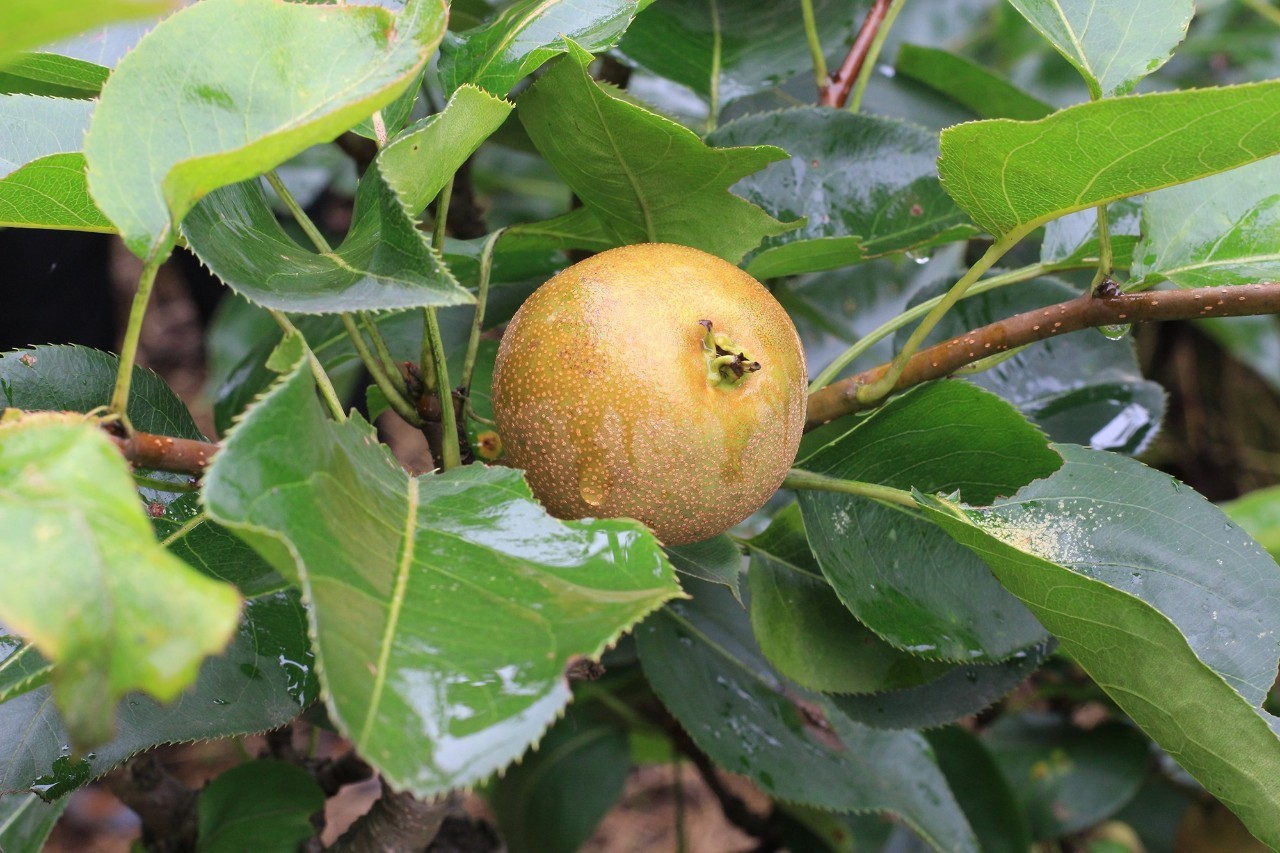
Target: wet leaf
[
  {"x": 42, "y": 182},
  {"x": 86, "y": 582},
  {"x": 215, "y": 113},
  {"x": 1166, "y": 604},
  {"x": 445, "y": 608},
  {"x": 866, "y": 186},
  {"x": 1073, "y": 239},
  {"x": 806, "y": 632},
  {"x": 702, "y": 661},
  {"x": 385, "y": 262},
  {"x": 498, "y": 54},
  {"x": 1068, "y": 779},
  {"x": 1220, "y": 230},
  {"x": 1112, "y": 43},
  {"x": 1012, "y": 176},
  {"x": 728, "y": 49},
  {"x": 258, "y": 805},
  {"x": 900, "y": 577},
  {"x": 263, "y": 680},
  {"x": 662, "y": 185}
]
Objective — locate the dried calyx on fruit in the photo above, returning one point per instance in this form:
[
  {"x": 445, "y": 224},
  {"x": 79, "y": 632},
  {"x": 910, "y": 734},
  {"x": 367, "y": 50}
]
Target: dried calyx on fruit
[{"x": 655, "y": 382}]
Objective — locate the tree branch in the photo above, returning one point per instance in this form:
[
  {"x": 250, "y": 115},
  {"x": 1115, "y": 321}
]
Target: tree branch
[
  {"x": 163, "y": 453},
  {"x": 1088, "y": 311},
  {"x": 399, "y": 822},
  {"x": 836, "y": 92},
  {"x": 166, "y": 807}
]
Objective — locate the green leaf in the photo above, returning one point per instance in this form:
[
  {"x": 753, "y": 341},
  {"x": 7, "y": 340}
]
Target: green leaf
[
  {"x": 1217, "y": 231},
  {"x": 1073, "y": 239},
  {"x": 900, "y": 578},
  {"x": 25, "y": 822},
  {"x": 1080, "y": 389},
  {"x": 646, "y": 178},
  {"x": 806, "y": 632},
  {"x": 264, "y": 679},
  {"x": 22, "y": 668},
  {"x": 1258, "y": 514},
  {"x": 53, "y": 75},
  {"x": 716, "y": 560},
  {"x": 1165, "y": 603},
  {"x": 42, "y": 182},
  {"x": 1068, "y": 779},
  {"x": 420, "y": 161},
  {"x": 986, "y": 797},
  {"x": 703, "y": 663},
  {"x": 866, "y": 186},
  {"x": 497, "y": 55},
  {"x": 384, "y": 263},
  {"x": 226, "y": 89},
  {"x": 1112, "y": 43},
  {"x": 961, "y": 691},
  {"x": 552, "y": 801},
  {"x": 728, "y": 49},
  {"x": 25, "y": 24},
  {"x": 577, "y": 229},
  {"x": 86, "y": 581},
  {"x": 983, "y": 91},
  {"x": 445, "y": 608},
  {"x": 258, "y": 805},
  {"x": 1013, "y": 176},
  {"x": 212, "y": 548}
]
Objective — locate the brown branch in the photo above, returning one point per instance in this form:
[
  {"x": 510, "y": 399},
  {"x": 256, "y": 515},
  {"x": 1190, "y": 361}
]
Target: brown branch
[
  {"x": 166, "y": 807},
  {"x": 1083, "y": 312},
  {"x": 836, "y": 92},
  {"x": 162, "y": 453},
  {"x": 399, "y": 822}
]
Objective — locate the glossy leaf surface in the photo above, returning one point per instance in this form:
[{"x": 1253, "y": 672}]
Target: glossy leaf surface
[
  {"x": 384, "y": 263},
  {"x": 1012, "y": 176},
  {"x": 421, "y": 160},
  {"x": 554, "y": 798},
  {"x": 1073, "y": 239},
  {"x": 22, "y": 668},
  {"x": 87, "y": 583},
  {"x": 804, "y": 630},
  {"x": 703, "y": 663},
  {"x": 42, "y": 182},
  {"x": 1068, "y": 779},
  {"x": 900, "y": 577},
  {"x": 1167, "y": 605},
  {"x": 52, "y": 75},
  {"x": 258, "y": 805},
  {"x": 445, "y": 608},
  {"x": 498, "y": 54},
  {"x": 25, "y": 24},
  {"x": 646, "y": 178},
  {"x": 263, "y": 680},
  {"x": 272, "y": 80},
  {"x": 1112, "y": 43},
  {"x": 866, "y": 186},
  {"x": 727, "y": 49},
  {"x": 1221, "y": 230}
]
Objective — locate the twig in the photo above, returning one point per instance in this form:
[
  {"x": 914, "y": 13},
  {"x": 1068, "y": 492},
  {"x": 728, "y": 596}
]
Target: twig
[
  {"x": 1083, "y": 312},
  {"x": 873, "y": 54},
  {"x": 166, "y": 807},
  {"x": 836, "y": 92},
  {"x": 820, "y": 73},
  {"x": 399, "y": 822},
  {"x": 162, "y": 453},
  {"x": 129, "y": 349}
]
